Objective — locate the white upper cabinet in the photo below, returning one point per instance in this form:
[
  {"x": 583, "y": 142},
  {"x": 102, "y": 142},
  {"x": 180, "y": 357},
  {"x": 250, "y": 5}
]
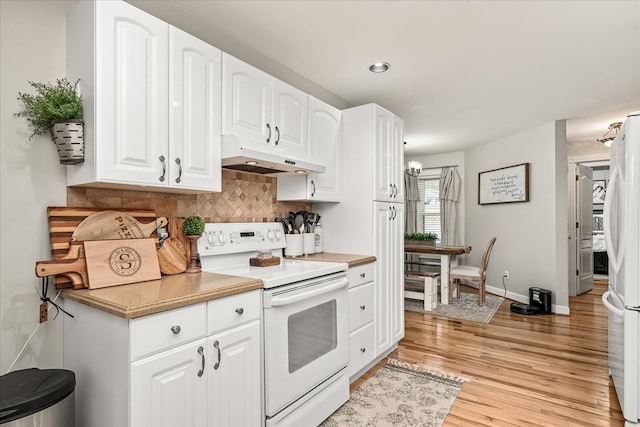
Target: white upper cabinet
[
  {"x": 324, "y": 145},
  {"x": 261, "y": 109},
  {"x": 131, "y": 66},
  {"x": 195, "y": 115},
  {"x": 388, "y": 156},
  {"x": 397, "y": 162}
]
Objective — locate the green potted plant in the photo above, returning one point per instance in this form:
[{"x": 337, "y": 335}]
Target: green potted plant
[
  {"x": 56, "y": 108},
  {"x": 193, "y": 227},
  {"x": 420, "y": 238}
]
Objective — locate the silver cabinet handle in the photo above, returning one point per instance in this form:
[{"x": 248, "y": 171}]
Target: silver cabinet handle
[
  {"x": 395, "y": 191},
  {"x": 216, "y": 345},
  {"x": 179, "y": 178},
  {"x": 240, "y": 310},
  {"x": 362, "y": 275},
  {"x": 313, "y": 192},
  {"x": 201, "y": 353},
  {"x": 390, "y": 213},
  {"x": 362, "y": 307},
  {"x": 278, "y": 138},
  {"x": 176, "y": 329},
  {"x": 363, "y": 349},
  {"x": 164, "y": 168},
  {"x": 391, "y": 187},
  {"x": 269, "y": 129}
]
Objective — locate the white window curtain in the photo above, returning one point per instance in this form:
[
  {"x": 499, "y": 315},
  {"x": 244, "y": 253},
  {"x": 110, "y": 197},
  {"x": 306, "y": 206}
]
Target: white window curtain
[
  {"x": 411, "y": 201},
  {"x": 449, "y": 190}
]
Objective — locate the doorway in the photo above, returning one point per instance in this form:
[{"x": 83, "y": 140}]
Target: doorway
[{"x": 587, "y": 252}]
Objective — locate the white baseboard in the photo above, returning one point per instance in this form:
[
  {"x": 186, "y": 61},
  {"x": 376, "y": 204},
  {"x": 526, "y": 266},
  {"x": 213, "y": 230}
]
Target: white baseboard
[{"x": 558, "y": 309}]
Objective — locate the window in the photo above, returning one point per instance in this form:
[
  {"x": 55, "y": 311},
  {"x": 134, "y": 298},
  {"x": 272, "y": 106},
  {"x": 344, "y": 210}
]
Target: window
[{"x": 429, "y": 209}]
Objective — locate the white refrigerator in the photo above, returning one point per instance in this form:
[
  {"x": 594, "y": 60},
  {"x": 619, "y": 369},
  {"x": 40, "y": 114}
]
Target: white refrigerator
[{"x": 622, "y": 237}]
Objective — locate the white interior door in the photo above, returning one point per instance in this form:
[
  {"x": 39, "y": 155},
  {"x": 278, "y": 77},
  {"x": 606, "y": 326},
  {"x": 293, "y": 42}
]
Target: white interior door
[{"x": 584, "y": 229}]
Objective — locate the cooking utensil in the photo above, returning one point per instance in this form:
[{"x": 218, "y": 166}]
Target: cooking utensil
[
  {"x": 111, "y": 225},
  {"x": 299, "y": 223}
]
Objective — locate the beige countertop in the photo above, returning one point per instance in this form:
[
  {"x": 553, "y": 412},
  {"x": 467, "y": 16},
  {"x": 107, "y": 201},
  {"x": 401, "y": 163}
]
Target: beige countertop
[
  {"x": 143, "y": 298},
  {"x": 352, "y": 260}
]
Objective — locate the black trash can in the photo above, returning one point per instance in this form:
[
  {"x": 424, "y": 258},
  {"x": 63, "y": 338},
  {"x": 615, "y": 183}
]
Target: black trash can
[{"x": 38, "y": 397}]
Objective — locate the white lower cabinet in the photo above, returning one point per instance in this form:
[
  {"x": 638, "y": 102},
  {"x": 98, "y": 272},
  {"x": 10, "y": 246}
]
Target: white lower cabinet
[
  {"x": 362, "y": 349},
  {"x": 198, "y": 365},
  {"x": 235, "y": 385},
  {"x": 170, "y": 389}
]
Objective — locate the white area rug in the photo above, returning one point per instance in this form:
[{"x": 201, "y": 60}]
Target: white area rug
[
  {"x": 464, "y": 308},
  {"x": 398, "y": 395}
]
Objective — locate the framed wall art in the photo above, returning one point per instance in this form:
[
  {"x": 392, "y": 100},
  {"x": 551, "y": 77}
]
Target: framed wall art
[
  {"x": 505, "y": 185},
  {"x": 599, "y": 191}
]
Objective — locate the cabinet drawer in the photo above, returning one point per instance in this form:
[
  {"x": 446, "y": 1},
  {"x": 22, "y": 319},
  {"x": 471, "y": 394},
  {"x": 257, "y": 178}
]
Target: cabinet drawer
[
  {"x": 360, "y": 306},
  {"x": 230, "y": 311},
  {"x": 360, "y": 274},
  {"x": 150, "y": 334},
  {"x": 361, "y": 348}
]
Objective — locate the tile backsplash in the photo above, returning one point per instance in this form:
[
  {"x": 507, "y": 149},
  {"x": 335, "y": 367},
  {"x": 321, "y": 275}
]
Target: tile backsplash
[{"x": 244, "y": 198}]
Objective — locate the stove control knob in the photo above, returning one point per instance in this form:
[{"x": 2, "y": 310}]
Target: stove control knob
[
  {"x": 278, "y": 235},
  {"x": 210, "y": 237},
  {"x": 270, "y": 235},
  {"x": 221, "y": 237}
]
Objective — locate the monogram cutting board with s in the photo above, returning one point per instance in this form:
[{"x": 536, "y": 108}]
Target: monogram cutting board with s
[{"x": 118, "y": 262}]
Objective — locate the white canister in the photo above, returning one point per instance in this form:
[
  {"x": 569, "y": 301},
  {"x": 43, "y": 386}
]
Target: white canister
[
  {"x": 294, "y": 245},
  {"x": 309, "y": 243},
  {"x": 319, "y": 239}
]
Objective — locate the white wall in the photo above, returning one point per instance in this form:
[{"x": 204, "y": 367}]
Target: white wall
[
  {"x": 532, "y": 236},
  {"x": 33, "y": 49}
]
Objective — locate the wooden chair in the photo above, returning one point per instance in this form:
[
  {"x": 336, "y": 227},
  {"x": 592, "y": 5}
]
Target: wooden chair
[{"x": 475, "y": 274}]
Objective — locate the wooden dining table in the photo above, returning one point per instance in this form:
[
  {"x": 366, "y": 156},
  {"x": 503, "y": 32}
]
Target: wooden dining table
[{"x": 445, "y": 252}]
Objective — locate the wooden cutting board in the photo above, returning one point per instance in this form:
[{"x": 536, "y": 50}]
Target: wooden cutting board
[
  {"x": 72, "y": 265},
  {"x": 63, "y": 221},
  {"x": 117, "y": 262},
  {"x": 112, "y": 225},
  {"x": 172, "y": 256}
]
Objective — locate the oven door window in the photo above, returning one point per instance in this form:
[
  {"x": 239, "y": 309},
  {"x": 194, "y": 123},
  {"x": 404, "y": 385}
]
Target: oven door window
[{"x": 312, "y": 333}]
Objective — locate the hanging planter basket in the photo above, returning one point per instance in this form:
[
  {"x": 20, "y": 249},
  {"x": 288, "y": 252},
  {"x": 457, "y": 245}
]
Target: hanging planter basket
[{"x": 68, "y": 136}]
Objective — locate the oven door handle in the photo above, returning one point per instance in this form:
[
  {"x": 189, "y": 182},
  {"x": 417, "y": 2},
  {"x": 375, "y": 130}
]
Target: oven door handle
[{"x": 277, "y": 301}]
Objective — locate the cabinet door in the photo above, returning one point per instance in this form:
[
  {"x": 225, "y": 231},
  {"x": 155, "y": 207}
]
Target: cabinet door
[
  {"x": 325, "y": 145},
  {"x": 235, "y": 384},
  {"x": 195, "y": 116},
  {"x": 397, "y": 160},
  {"x": 383, "y": 154},
  {"x": 166, "y": 390},
  {"x": 396, "y": 273},
  {"x": 382, "y": 217},
  {"x": 131, "y": 94},
  {"x": 289, "y": 123},
  {"x": 246, "y": 101}
]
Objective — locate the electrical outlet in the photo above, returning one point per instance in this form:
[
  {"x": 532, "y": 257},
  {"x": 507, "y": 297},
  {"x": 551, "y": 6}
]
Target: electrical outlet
[{"x": 506, "y": 274}]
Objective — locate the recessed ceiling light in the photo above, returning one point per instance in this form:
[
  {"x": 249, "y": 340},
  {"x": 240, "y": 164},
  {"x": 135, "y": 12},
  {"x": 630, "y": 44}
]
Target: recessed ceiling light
[
  {"x": 379, "y": 67},
  {"x": 300, "y": 172},
  {"x": 251, "y": 162}
]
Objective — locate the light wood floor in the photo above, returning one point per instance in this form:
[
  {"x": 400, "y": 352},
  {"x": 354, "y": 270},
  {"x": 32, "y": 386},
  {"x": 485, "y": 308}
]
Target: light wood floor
[{"x": 542, "y": 370}]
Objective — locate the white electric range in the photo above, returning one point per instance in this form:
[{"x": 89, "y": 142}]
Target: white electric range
[{"x": 305, "y": 320}]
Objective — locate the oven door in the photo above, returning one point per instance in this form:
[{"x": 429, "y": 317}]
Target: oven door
[{"x": 306, "y": 337}]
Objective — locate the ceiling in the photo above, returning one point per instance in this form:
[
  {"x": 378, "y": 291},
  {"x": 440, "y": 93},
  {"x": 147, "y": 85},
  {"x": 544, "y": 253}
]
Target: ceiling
[{"x": 463, "y": 73}]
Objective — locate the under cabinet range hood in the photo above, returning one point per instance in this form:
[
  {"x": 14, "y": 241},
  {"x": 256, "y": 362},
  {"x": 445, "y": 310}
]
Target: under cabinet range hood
[{"x": 267, "y": 160}]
